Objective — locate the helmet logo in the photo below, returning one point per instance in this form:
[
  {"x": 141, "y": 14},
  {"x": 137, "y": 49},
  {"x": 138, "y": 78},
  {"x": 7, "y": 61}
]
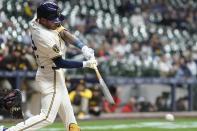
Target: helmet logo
[{"x": 58, "y": 13}]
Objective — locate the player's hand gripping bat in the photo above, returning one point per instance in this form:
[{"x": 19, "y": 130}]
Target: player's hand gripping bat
[{"x": 104, "y": 87}]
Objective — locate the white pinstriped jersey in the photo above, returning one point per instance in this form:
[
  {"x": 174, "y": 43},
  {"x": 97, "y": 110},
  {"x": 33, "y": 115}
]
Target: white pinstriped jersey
[{"x": 46, "y": 44}]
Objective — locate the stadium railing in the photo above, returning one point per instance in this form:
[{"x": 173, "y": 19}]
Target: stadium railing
[{"x": 172, "y": 82}]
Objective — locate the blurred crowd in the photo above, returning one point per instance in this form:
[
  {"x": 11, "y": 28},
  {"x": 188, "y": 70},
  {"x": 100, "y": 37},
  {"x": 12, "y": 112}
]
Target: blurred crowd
[
  {"x": 130, "y": 38},
  {"x": 135, "y": 38},
  {"x": 88, "y": 101}
]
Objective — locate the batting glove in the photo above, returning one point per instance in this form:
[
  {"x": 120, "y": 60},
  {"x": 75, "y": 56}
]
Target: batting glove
[
  {"x": 90, "y": 63},
  {"x": 87, "y": 52}
]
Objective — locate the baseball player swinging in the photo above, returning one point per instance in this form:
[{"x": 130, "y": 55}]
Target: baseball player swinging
[{"x": 48, "y": 42}]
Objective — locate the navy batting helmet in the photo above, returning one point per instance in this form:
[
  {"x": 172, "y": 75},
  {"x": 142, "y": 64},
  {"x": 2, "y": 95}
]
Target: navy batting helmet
[{"x": 50, "y": 11}]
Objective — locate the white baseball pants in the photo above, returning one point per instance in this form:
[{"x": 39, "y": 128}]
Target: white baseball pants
[{"x": 55, "y": 99}]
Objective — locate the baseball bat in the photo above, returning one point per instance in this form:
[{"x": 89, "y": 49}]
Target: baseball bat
[{"x": 104, "y": 87}]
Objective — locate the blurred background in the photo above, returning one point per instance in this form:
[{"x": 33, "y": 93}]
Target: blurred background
[{"x": 146, "y": 49}]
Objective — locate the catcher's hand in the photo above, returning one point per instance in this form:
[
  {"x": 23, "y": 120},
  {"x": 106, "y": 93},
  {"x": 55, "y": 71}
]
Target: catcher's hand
[{"x": 11, "y": 101}]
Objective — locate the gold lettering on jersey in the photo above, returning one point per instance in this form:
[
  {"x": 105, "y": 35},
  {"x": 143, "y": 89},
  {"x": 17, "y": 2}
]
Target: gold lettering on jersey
[{"x": 56, "y": 48}]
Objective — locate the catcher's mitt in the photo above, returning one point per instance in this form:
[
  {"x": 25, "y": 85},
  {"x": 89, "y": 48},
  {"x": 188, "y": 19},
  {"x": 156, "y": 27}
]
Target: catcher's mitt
[{"x": 11, "y": 101}]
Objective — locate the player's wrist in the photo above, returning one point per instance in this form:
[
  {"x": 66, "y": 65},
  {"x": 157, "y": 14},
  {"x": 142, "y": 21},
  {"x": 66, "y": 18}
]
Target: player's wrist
[
  {"x": 78, "y": 44},
  {"x": 84, "y": 48},
  {"x": 87, "y": 52}
]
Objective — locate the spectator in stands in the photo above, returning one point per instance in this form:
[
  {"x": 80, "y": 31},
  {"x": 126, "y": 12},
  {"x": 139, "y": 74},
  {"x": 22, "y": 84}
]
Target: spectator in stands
[
  {"x": 80, "y": 23},
  {"x": 28, "y": 12},
  {"x": 91, "y": 26},
  {"x": 183, "y": 70},
  {"x": 109, "y": 35},
  {"x": 16, "y": 61},
  {"x": 80, "y": 99},
  {"x": 194, "y": 53},
  {"x": 3, "y": 37},
  {"x": 130, "y": 106},
  {"x": 137, "y": 18},
  {"x": 191, "y": 65},
  {"x": 5, "y": 84},
  {"x": 182, "y": 104},
  {"x": 165, "y": 66},
  {"x": 27, "y": 54},
  {"x": 144, "y": 106},
  {"x": 103, "y": 50},
  {"x": 107, "y": 107},
  {"x": 126, "y": 8},
  {"x": 95, "y": 103},
  {"x": 123, "y": 47},
  {"x": 1, "y": 58},
  {"x": 162, "y": 102},
  {"x": 156, "y": 45}
]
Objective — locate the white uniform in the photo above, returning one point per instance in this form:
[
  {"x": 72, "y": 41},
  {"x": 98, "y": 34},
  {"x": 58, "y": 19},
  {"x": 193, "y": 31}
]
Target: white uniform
[{"x": 51, "y": 82}]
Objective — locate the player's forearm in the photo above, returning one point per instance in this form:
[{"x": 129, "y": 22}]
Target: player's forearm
[
  {"x": 68, "y": 37},
  {"x": 75, "y": 41},
  {"x": 59, "y": 62}
]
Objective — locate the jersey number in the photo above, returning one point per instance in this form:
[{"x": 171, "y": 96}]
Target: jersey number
[
  {"x": 33, "y": 45},
  {"x": 34, "y": 49}
]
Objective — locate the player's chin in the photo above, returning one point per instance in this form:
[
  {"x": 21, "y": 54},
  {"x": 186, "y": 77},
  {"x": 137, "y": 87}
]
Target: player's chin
[{"x": 53, "y": 26}]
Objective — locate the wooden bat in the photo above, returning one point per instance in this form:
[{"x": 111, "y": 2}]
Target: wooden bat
[{"x": 104, "y": 87}]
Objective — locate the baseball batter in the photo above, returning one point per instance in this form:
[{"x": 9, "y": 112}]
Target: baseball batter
[{"x": 48, "y": 42}]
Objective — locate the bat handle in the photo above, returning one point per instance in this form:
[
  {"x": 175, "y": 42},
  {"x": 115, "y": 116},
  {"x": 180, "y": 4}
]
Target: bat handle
[
  {"x": 95, "y": 67},
  {"x": 97, "y": 72}
]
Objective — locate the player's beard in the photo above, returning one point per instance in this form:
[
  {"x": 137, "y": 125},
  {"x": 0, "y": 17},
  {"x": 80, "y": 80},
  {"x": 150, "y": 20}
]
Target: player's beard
[
  {"x": 56, "y": 26},
  {"x": 52, "y": 26}
]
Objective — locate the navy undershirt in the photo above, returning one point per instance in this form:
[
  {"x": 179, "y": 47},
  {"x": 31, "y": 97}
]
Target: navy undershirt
[{"x": 61, "y": 63}]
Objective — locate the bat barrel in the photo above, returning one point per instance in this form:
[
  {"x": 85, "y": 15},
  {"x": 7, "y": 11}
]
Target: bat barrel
[{"x": 104, "y": 87}]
